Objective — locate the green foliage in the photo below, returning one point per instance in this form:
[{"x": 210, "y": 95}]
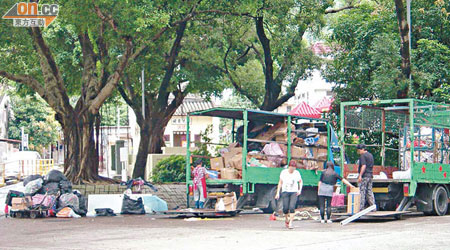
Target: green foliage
[
  {"x": 366, "y": 60},
  {"x": 171, "y": 169},
  {"x": 365, "y": 54},
  {"x": 37, "y": 118},
  {"x": 265, "y": 69},
  {"x": 203, "y": 146},
  {"x": 433, "y": 68},
  {"x": 108, "y": 113}
]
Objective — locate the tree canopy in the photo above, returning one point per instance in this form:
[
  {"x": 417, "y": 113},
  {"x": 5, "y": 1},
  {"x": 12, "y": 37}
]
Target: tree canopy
[{"x": 367, "y": 59}]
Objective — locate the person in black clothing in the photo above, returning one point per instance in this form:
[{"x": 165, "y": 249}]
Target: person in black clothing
[
  {"x": 365, "y": 177},
  {"x": 325, "y": 190}
]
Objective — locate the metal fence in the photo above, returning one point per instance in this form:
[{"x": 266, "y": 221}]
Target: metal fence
[{"x": 20, "y": 169}]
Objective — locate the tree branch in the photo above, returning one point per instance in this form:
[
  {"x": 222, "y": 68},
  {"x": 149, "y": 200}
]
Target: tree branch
[
  {"x": 243, "y": 92},
  {"x": 331, "y": 11},
  {"x": 173, "y": 55},
  {"x": 91, "y": 84},
  {"x": 54, "y": 84},
  {"x": 272, "y": 90},
  {"x": 27, "y": 80},
  {"x": 113, "y": 80},
  {"x": 290, "y": 93}
]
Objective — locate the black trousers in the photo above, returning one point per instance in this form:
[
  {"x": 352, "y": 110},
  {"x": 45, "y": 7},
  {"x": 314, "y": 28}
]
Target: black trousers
[
  {"x": 289, "y": 201},
  {"x": 322, "y": 201}
]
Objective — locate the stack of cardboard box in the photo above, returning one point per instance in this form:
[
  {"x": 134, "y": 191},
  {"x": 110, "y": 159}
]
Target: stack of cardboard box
[
  {"x": 21, "y": 203},
  {"x": 353, "y": 201},
  {"x": 227, "y": 202},
  {"x": 229, "y": 165}
]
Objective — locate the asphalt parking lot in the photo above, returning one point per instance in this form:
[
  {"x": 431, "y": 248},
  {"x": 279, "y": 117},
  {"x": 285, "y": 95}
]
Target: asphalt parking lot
[{"x": 245, "y": 231}]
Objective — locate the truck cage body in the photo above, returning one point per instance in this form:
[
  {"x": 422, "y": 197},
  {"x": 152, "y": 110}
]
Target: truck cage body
[
  {"x": 414, "y": 138},
  {"x": 259, "y": 175}
]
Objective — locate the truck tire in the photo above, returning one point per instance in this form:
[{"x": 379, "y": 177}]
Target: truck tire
[
  {"x": 440, "y": 201},
  {"x": 272, "y": 207}
]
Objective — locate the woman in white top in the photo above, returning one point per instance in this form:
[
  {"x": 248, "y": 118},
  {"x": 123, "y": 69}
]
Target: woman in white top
[{"x": 290, "y": 185}]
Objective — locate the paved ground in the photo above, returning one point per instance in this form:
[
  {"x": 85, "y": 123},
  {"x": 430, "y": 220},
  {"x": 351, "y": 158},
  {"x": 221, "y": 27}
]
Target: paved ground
[{"x": 246, "y": 231}]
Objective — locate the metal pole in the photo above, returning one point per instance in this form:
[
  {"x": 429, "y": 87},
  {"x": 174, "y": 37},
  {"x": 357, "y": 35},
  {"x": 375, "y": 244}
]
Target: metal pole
[
  {"x": 289, "y": 140},
  {"x": 383, "y": 137},
  {"x": 143, "y": 94},
  {"x": 188, "y": 159},
  {"x": 341, "y": 137},
  {"x": 244, "y": 153},
  {"x": 118, "y": 123},
  {"x": 411, "y": 134},
  {"x": 233, "y": 125},
  {"x": 21, "y": 145}
]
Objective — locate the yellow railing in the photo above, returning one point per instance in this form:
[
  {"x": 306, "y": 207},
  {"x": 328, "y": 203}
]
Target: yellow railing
[
  {"x": 44, "y": 166},
  {"x": 23, "y": 168}
]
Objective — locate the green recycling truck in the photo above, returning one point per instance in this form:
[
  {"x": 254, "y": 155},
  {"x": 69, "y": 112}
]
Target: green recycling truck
[
  {"x": 409, "y": 139},
  {"x": 255, "y": 185}
]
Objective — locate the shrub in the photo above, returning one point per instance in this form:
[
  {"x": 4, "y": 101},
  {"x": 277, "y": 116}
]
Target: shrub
[{"x": 171, "y": 169}]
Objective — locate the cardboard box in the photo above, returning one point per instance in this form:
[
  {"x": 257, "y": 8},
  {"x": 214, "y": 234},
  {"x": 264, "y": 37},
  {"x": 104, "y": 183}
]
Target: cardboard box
[
  {"x": 236, "y": 161},
  {"x": 298, "y": 152},
  {"x": 320, "y": 153},
  {"x": 228, "y": 173},
  {"x": 217, "y": 163},
  {"x": 353, "y": 202},
  {"x": 229, "y": 155},
  {"x": 21, "y": 203},
  {"x": 227, "y": 203},
  {"x": 323, "y": 140}
]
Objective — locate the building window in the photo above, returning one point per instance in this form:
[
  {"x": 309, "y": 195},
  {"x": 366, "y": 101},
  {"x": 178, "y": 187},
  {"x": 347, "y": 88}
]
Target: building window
[
  {"x": 197, "y": 138},
  {"x": 288, "y": 109}
]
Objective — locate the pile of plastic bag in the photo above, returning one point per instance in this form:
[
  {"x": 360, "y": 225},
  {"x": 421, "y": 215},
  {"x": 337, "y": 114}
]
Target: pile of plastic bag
[{"x": 52, "y": 193}]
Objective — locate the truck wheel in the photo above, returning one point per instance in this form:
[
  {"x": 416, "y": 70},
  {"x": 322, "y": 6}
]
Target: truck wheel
[
  {"x": 440, "y": 201},
  {"x": 33, "y": 214},
  {"x": 273, "y": 204}
]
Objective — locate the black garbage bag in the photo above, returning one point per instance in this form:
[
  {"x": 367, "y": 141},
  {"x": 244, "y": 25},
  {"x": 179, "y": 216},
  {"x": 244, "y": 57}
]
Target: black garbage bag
[
  {"x": 130, "y": 206},
  {"x": 51, "y": 188},
  {"x": 55, "y": 176},
  {"x": 82, "y": 209},
  {"x": 104, "y": 212},
  {"x": 31, "y": 178},
  {"x": 65, "y": 186},
  {"x": 12, "y": 194}
]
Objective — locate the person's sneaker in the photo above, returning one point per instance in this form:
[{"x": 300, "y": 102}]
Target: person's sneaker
[
  {"x": 322, "y": 221},
  {"x": 329, "y": 221},
  {"x": 290, "y": 225}
]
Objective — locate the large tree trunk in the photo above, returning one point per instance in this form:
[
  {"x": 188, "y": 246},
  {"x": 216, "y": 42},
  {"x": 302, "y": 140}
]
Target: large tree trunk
[
  {"x": 404, "y": 45},
  {"x": 151, "y": 143},
  {"x": 81, "y": 157}
]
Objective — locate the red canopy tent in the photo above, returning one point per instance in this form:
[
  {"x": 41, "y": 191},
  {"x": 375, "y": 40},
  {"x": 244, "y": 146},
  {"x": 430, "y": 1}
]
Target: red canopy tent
[
  {"x": 324, "y": 105},
  {"x": 303, "y": 109}
]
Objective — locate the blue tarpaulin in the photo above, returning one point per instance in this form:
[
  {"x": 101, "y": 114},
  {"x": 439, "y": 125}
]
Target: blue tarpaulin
[{"x": 154, "y": 204}]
